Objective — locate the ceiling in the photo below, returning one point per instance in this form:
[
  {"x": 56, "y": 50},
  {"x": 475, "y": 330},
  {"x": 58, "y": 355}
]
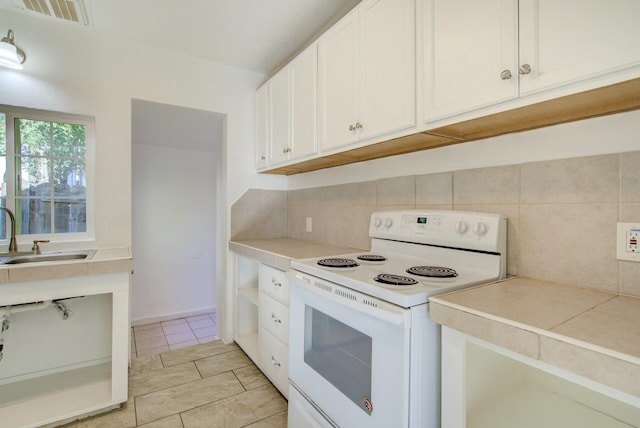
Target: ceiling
[{"x": 257, "y": 35}]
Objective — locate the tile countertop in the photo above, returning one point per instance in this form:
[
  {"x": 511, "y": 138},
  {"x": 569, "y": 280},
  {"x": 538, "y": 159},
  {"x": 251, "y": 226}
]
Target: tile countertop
[
  {"x": 279, "y": 252},
  {"x": 108, "y": 260},
  {"x": 591, "y": 333}
]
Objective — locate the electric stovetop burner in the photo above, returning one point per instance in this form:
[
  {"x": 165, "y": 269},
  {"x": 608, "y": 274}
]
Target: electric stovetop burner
[
  {"x": 387, "y": 278},
  {"x": 372, "y": 258},
  {"x": 338, "y": 263},
  {"x": 433, "y": 271}
]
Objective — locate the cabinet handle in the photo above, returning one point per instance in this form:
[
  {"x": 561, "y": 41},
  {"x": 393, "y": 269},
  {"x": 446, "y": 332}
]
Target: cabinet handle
[
  {"x": 524, "y": 69},
  {"x": 358, "y": 125},
  {"x": 275, "y": 319},
  {"x": 352, "y": 128},
  {"x": 505, "y": 75},
  {"x": 275, "y": 283},
  {"x": 262, "y": 157},
  {"x": 275, "y": 362}
]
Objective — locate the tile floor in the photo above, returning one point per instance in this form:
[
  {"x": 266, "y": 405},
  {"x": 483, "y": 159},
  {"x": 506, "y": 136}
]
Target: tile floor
[
  {"x": 164, "y": 336},
  {"x": 209, "y": 385}
]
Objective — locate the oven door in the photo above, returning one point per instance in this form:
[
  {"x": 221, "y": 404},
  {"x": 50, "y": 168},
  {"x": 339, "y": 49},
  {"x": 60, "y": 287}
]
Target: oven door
[{"x": 349, "y": 353}]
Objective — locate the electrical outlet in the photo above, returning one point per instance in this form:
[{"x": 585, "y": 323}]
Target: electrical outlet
[
  {"x": 309, "y": 224},
  {"x": 632, "y": 241},
  {"x": 628, "y": 247}
]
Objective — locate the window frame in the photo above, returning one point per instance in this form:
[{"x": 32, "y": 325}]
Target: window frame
[{"x": 11, "y": 113}]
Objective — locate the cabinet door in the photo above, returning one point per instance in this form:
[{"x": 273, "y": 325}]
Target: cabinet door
[
  {"x": 262, "y": 126},
  {"x": 387, "y": 82},
  {"x": 567, "y": 41},
  {"x": 468, "y": 45},
  {"x": 304, "y": 103},
  {"x": 279, "y": 103},
  {"x": 338, "y": 85}
]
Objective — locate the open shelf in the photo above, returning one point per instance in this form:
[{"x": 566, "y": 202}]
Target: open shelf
[
  {"x": 58, "y": 396},
  {"x": 250, "y": 345},
  {"x": 250, "y": 294},
  {"x": 505, "y": 393},
  {"x": 55, "y": 369},
  {"x": 532, "y": 406},
  {"x": 246, "y": 308}
]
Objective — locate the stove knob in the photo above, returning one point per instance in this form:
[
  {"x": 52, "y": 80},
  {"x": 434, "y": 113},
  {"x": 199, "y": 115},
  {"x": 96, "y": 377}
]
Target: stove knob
[
  {"x": 377, "y": 222},
  {"x": 480, "y": 229},
  {"x": 461, "y": 227},
  {"x": 387, "y": 223}
]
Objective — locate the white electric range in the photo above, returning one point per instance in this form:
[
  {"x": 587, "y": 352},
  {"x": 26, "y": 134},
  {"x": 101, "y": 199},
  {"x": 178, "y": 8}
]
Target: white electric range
[{"x": 363, "y": 351}]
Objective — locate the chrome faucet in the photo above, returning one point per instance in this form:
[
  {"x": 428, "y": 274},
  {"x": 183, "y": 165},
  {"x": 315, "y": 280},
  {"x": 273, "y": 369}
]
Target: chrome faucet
[{"x": 13, "y": 246}]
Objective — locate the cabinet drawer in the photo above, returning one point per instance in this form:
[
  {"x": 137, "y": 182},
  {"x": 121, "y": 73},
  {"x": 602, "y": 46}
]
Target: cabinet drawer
[
  {"x": 274, "y": 316},
  {"x": 274, "y": 282},
  {"x": 274, "y": 361}
]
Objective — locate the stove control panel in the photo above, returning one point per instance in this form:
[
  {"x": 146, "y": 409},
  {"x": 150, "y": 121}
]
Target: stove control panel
[
  {"x": 421, "y": 222},
  {"x": 458, "y": 229}
]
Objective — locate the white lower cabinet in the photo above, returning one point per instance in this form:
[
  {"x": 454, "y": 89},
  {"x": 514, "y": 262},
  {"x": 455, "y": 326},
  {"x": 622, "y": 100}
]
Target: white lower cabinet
[
  {"x": 484, "y": 386},
  {"x": 246, "y": 301},
  {"x": 274, "y": 282},
  {"x": 274, "y": 327},
  {"x": 262, "y": 318},
  {"x": 274, "y": 360},
  {"x": 61, "y": 363},
  {"x": 274, "y": 317}
]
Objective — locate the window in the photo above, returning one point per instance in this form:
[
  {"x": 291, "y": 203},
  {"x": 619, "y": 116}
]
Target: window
[{"x": 46, "y": 173}]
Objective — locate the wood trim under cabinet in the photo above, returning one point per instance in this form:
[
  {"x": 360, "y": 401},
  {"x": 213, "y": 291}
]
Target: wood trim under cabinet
[{"x": 617, "y": 98}]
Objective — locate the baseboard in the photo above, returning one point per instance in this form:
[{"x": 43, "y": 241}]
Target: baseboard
[{"x": 168, "y": 317}]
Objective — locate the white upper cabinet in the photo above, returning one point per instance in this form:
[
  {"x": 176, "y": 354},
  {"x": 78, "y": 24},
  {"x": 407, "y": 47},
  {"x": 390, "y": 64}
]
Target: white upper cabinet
[
  {"x": 292, "y": 109},
  {"x": 471, "y": 51},
  {"x": 566, "y": 41},
  {"x": 387, "y": 84},
  {"x": 478, "y": 54},
  {"x": 338, "y": 83},
  {"x": 279, "y": 108},
  {"x": 262, "y": 126},
  {"x": 304, "y": 103},
  {"x": 366, "y": 73}
]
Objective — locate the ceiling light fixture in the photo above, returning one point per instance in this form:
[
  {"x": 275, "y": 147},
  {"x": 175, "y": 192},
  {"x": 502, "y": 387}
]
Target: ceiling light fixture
[{"x": 10, "y": 55}]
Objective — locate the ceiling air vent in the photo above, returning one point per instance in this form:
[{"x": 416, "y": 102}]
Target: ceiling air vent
[{"x": 68, "y": 10}]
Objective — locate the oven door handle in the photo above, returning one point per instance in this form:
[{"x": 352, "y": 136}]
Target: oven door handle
[{"x": 353, "y": 300}]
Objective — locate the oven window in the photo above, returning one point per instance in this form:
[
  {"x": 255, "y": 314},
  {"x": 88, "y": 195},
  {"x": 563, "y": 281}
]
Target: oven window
[{"x": 339, "y": 353}]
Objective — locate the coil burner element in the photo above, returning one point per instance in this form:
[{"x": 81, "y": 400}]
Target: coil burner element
[
  {"x": 387, "y": 278},
  {"x": 372, "y": 258},
  {"x": 433, "y": 271},
  {"x": 338, "y": 263}
]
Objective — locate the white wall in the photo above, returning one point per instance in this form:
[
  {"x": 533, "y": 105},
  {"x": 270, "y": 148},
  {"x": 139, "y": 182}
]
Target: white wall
[{"x": 174, "y": 206}]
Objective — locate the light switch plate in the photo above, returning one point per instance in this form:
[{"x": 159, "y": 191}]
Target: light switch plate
[
  {"x": 309, "y": 224},
  {"x": 627, "y": 247}
]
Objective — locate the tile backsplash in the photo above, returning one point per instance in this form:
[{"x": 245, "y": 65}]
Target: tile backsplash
[
  {"x": 259, "y": 214},
  {"x": 562, "y": 213}
]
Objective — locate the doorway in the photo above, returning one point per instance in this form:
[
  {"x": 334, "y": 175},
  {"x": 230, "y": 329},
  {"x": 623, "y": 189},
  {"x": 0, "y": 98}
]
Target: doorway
[{"x": 175, "y": 156}]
